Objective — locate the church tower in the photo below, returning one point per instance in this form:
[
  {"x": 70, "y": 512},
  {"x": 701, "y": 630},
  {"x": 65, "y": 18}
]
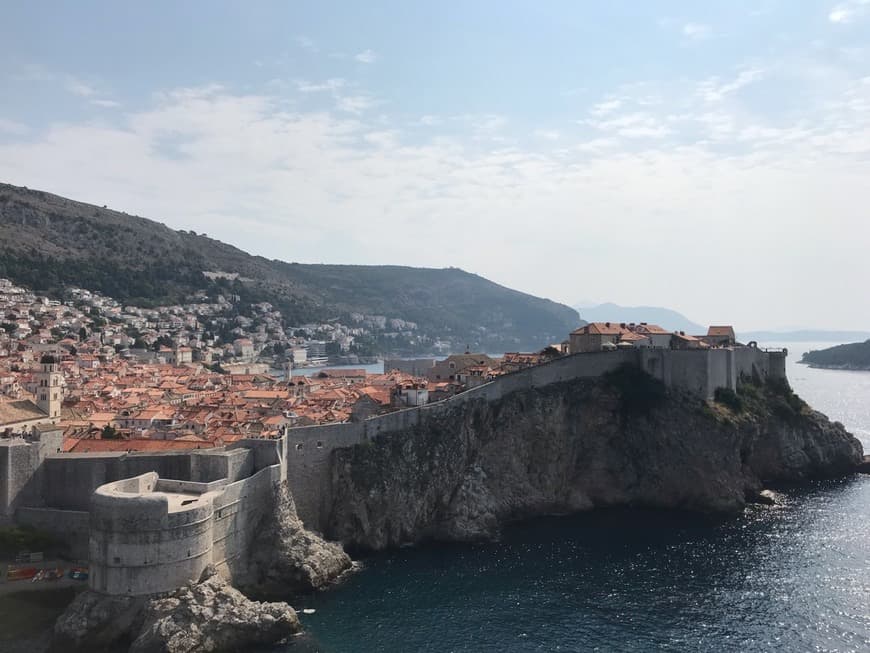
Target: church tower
[{"x": 49, "y": 393}]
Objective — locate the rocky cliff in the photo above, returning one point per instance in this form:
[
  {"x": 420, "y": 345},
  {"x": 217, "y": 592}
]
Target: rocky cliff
[
  {"x": 205, "y": 616},
  {"x": 286, "y": 559},
  {"x": 621, "y": 440}
]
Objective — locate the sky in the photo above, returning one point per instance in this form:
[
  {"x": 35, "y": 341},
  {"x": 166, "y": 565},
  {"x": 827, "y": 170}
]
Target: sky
[{"x": 710, "y": 157}]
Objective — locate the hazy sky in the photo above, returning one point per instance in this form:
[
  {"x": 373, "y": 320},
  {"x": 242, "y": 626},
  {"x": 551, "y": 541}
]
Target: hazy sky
[{"x": 713, "y": 157}]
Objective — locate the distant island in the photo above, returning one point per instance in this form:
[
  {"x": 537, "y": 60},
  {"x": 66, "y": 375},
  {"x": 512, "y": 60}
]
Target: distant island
[{"x": 853, "y": 356}]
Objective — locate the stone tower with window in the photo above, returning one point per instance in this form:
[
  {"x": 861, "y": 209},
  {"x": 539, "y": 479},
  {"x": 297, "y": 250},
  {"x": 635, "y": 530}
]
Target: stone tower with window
[{"x": 49, "y": 391}]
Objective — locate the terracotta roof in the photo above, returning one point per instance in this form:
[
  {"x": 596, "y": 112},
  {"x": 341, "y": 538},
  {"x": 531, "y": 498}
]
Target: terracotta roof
[
  {"x": 93, "y": 446},
  {"x": 22, "y": 410},
  {"x": 601, "y": 328},
  {"x": 721, "y": 331}
]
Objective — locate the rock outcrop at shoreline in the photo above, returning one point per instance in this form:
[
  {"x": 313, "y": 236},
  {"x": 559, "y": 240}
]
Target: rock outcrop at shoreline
[
  {"x": 619, "y": 441},
  {"x": 209, "y": 615},
  {"x": 288, "y": 559}
]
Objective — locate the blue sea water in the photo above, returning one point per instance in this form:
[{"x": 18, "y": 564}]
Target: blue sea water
[{"x": 794, "y": 577}]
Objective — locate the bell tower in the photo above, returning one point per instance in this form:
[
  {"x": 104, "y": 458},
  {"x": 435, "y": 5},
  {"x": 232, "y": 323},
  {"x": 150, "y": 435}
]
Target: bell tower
[{"x": 49, "y": 392}]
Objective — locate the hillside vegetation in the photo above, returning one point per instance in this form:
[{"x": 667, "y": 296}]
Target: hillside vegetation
[
  {"x": 854, "y": 356},
  {"x": 48, "y": 242}
]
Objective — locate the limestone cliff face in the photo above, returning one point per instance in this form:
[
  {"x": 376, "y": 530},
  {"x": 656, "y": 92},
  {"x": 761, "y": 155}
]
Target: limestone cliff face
[
  {"x": 288, "y": 559},
  {"x": 574, "y": 446}
]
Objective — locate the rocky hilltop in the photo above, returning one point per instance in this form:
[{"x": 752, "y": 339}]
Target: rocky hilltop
[{"x": 622, "y": 440}]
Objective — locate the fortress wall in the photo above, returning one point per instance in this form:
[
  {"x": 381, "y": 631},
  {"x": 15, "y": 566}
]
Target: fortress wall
[
  {"x": 189, "y": 487},
  {"x": 690, "y": 370},
  {"x": 208, "y": 465},
  {"x": 142, "y": 542},
  {"x": 776, "y": 363},
  {"x": 749, "y": 363},
  {"x": 309, "y": 447},
  {"x": 17, "y": 461},
  {"x": 238, "y": 510},
  {"x": 137, "y": 546},
  {"x": 69, "y": 480},
  {"x": 266, "y": 452},
  {"x": 69, "y": 526},
  {"x": 308, "y": 453},
  {"x": 173, "y": 465}
]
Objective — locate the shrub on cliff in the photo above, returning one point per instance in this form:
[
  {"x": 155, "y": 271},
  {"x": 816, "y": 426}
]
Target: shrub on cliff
[
  {"x": 727, "y": 397},
  {"x": 639, "y": 393}
]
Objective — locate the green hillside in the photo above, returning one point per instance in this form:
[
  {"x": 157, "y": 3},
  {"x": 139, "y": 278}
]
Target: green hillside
[
  {"x": 48, "y": 242},
  {"x": 854, "y": 356}
]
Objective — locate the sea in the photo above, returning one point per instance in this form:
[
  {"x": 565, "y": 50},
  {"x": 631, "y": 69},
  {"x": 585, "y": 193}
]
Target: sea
[{"x": 792, "y": 577}]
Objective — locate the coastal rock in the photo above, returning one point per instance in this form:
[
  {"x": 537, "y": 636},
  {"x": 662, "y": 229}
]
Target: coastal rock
[
  {"x": 202, "y": 617},
  {"x": 764, "y": 498},
  {"x": 574, "y": 446},
  {"x": 212, "y": 616},
  {"x": 288, "y": 559},
  {"x": 94, "y": 622},
  {"x": 864, "y": 465}
]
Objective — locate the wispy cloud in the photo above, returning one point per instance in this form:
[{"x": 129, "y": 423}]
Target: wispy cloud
[
  {"x": 332, "y": 85},
  {"x": 355, "y": 104},
  {"x": 366, "y": 56},
  {"x": 605, "y": 107},
  {"x": 715, "y": 90},
  {"x": 697, "y": 31},
  {"x": 106, "y": 104},
  {"x": 633, "y": 125},
  {"x": 849, "y": 11}
]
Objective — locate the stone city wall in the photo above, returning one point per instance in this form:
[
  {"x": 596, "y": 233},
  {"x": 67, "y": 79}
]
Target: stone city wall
[{"x": 697, "y": 371}]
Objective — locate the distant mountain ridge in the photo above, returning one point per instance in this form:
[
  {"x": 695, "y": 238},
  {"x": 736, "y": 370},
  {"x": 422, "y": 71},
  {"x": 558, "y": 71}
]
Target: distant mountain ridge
[
  {"x": 803, "y": 335},
  {"x": 48, "y": 242},
  {"x": 664, "y": 317}
]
